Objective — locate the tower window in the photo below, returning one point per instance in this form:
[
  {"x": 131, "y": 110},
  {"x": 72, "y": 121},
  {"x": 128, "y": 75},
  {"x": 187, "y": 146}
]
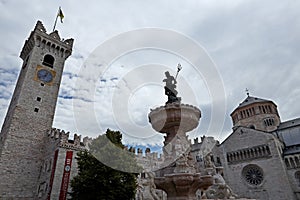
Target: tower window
[
  {"x": 36, "y": 110},
  {"x": 269, "y": 122},
  {"x": 38, "y": 98},
  {"x": 48, "y": 60},
  {"x": 42, "y": 84}
]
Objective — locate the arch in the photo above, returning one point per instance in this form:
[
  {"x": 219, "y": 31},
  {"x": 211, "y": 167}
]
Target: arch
[
  {"x": 48, "y": 46},
  {"x": 287, "y": 163},
  {"x": 259, "y": 152},
  {"x": 238, "y": 157},
  {"x": 57, "y": 50},
  {"x": 43, "y": 44},
  {"x": 263, "y": 149},
  {"x": 62, "y": 52},
  {"x": 38, "y": 40},
  {"x": 235, "y": 157},
  {"x": 241, "y": 157},
  {"x": 293, "y": 165},
  {"x": 53, "y": 48},
  {"x": 251, "y": 153},
  {"x": 67, "y": 53},
  {"x": 253, "y": 111},
  {"x": 269, "y": 107},
  {"x": 260, "y": 110},
  {"x": 248, "y": 153},
  {"x": 255, "y": 153},
  {"x": 252, "y": 126},
  {"x": 219, "y": 160},
  {"x": 48, "y": 60},
  {"x": 268, "y": 150},
  {"x": 297, "y": 161},
  {"x": 297, "y": 177}
]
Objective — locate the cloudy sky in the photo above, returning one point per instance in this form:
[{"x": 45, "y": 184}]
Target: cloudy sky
[{"x": 122, "y": 49}]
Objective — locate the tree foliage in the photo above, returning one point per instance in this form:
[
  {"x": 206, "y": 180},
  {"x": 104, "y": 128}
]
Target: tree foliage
[{"x": 98, "y": 177}]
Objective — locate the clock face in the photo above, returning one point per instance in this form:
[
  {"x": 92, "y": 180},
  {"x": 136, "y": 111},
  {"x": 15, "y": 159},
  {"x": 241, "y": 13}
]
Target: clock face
[{"x": 45, "y": 75}]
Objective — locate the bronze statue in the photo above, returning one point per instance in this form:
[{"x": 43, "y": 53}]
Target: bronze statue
[{"x": 170, "y": 88}]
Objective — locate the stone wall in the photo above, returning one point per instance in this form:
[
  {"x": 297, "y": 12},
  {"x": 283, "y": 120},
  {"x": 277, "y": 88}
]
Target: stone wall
[{"x": 274, "y": 183}]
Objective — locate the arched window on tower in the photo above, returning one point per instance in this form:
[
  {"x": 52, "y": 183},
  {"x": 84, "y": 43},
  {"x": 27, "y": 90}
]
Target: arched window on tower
[{"x": 48, "y": 60}]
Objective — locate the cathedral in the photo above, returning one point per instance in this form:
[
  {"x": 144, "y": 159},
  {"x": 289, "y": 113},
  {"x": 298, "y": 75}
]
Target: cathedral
[{"x": 260, "y": 159}]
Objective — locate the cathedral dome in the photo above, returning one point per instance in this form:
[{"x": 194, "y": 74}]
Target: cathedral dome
[{"x": 256, "y": 113}]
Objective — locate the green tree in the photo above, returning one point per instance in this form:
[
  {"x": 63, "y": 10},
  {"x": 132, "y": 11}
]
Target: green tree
[{"x": 99, "y": 175}]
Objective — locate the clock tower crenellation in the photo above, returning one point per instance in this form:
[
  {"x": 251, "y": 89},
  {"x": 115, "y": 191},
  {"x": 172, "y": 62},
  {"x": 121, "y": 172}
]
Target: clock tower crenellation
[{"x": 30, "y": 114}]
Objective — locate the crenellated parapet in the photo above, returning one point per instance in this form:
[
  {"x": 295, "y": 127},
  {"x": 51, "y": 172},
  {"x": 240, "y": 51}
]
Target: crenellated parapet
[
  {"x": 149, "y": 160},
  {"x": 66, "y": 142},
  {"x": 50, "y": 43},
  {"x": 148, "y": 154}
]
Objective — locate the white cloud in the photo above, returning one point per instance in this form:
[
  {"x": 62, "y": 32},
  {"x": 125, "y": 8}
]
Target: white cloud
[{"x": 254, "y": 44}]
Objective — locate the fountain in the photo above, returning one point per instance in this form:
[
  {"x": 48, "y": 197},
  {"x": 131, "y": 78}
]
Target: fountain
[{"x": 178, "y": 176}]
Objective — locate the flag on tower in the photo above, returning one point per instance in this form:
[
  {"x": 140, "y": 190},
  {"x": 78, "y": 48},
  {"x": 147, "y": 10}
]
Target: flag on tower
[{"x": 61, "y": 15}]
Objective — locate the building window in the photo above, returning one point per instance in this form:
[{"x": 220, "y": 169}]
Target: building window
[
  {"x": 269, "y": 122},
  {"x": 48, "y": 60},
  {"x": 297, "y": 162},
  {"x": 36, "y": 110},
  {"x": 297, "y": 177},
  {"x": 252, "y": 126},
  {"x": 287, "y": 163},
  {"x": 38, "y": 98},
  {"x": 218, "y": 163},
  {"x": 42, "y": 84},
  {"x": 253, "y": 175}
]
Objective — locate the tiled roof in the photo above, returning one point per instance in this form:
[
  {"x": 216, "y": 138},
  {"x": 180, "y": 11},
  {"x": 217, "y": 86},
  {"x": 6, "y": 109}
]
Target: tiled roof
[{"x": 250, "y": 100}]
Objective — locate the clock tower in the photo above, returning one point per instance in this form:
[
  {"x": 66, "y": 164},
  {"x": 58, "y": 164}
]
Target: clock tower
[{"x": 30, "y": 115}]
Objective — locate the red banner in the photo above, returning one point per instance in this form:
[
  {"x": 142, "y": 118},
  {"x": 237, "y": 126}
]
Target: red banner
[
  {"x": 66, "y": 176},
  {"x": 52, "y": 174}
]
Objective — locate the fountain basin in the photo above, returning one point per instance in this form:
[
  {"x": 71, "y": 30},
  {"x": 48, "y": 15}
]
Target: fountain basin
[
  {"x": 183, "y": 186},
  {"x": 185, "y": 117}
]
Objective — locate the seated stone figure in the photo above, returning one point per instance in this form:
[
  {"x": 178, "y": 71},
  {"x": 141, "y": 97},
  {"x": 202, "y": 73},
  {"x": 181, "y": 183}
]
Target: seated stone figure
[{"x": 219, "y": 190}]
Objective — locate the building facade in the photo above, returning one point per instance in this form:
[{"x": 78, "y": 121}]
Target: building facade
[{"x": 260, "y": 158}]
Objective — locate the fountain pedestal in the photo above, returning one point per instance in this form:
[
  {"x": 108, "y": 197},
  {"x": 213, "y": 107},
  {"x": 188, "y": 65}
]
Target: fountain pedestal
[
  {"x": 182, "y": 186},
  {"x": 178, "y": 177}
]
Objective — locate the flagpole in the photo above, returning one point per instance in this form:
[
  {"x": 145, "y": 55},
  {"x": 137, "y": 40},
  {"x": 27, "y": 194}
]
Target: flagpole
[{"x": 55, "y": 21}]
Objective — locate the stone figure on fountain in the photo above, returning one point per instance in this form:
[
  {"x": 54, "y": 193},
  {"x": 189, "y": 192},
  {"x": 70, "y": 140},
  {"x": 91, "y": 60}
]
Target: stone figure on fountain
[
  {"x": 147, "y": 188},
  {"x": 170, "y": 88},
  {"x": 219, "y": 190}
]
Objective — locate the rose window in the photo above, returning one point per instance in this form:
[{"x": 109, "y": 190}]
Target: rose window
[{"x": 253, "y": 174}]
